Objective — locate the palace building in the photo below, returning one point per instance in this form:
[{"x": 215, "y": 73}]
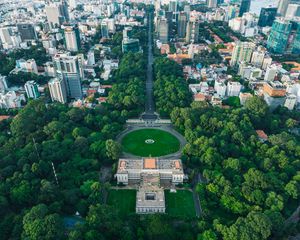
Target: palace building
[{"x": 150, "y": 174}]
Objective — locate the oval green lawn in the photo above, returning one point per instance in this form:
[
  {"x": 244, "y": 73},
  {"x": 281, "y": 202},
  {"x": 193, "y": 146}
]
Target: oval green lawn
[{"x": 164, "y": 143}]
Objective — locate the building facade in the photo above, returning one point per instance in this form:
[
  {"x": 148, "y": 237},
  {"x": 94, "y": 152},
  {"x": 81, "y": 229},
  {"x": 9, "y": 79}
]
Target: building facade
[
  {"x": 67, "y": 68},
  {"x": 57, "y": 90},
  {"x": 31, "y": 89},
  {"x": 242, "y": 52},
  {"x": 267, "y": 16},
  {"x": 279, "y": 36}
]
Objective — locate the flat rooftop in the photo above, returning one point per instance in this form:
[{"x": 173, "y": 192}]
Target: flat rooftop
[{"x": 149, "y": 163}]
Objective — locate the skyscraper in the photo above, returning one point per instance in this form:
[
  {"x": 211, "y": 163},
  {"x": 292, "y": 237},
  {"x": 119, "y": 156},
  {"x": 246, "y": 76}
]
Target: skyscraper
[
  {"x": 245, "y": 7},
  {"x": 279, "y": 35},
  {"x": 192, "y": 32},
  {"x": 163, "y": 30},
  {"x": 267, "y": 16},
  {"x": 242, "y": 52},
  {"x": 182, "y": 20},
  {"x": 31, "y": 89},
  {"x": 57, "y": 90},
  {"x": 296, "y": 42},
  {"x": 293, "y": 10},
  {"x": 104, "y": 29},
  {"x": 72, "y": 37},
  {"x": 57, "y": 14},
  {"x": 67, "y": 68},
  {"x": 282, "y": 7},
  {"x": 212, "y": 3}
]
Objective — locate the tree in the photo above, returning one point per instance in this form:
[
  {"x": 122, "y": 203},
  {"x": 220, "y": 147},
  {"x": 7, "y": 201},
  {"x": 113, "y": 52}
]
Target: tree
[
  {"x": 256, "y": 226},
  {"x": 38, "y": 224},
  {"x": 113, "y": 149},
  {"x": 207, "y": 235}
]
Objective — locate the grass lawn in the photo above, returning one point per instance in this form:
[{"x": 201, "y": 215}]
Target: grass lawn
[
  {"x": 180, "y": 204},
  {"x": 123, "y": 200},
  {"x": 163, "y": 143}
]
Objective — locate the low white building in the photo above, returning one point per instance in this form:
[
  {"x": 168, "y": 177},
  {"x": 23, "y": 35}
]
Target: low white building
[
  {"x": 11, "y": 100},
  {"x": 290, "y": 101}
]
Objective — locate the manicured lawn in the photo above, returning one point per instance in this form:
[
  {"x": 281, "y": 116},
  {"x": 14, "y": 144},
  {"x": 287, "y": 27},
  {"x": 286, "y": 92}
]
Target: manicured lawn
[
  {"x": 123, "y": 200},
  {"x": 163, "y": 143},
  {"x": 180, "y": 204}
]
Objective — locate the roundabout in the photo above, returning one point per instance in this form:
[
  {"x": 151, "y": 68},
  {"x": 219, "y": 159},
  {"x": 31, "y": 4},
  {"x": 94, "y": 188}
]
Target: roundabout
[{"x": 150, "y": 142}]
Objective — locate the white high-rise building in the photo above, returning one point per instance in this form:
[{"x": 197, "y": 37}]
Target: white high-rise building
[
  {"x": 72, "y": 38},
  {"x": 258, "y": 57},
  {"x": 290, "y": 101},
  {"x": 31, "y": 89},
  {"x": 57, "y": 14},
  {"x": 3, "y": 84},
  {"x": 293, "y": 10},
  {"x": 73, "y": 4},
  {"x": 267, "y": 62},
  {"x": 220, "y": 88},
  {"x": 233, "y": 89},
  {"x": 5, "y": 35},
  {"x": 212, "y": 3},
  {"x": 271, "y": 73},
  {"x": 242, "y": 52},
  {"x": 282, "y": 7},
  {"x": 57, "y": 90}
]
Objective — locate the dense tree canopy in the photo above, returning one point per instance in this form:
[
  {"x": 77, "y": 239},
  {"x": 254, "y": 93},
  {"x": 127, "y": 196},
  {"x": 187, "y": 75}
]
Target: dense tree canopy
[
  {"x": 247, "y": 181},
  {"x": 170, "y": 89}
]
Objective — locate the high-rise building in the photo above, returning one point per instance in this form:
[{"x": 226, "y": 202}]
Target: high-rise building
[
  {"x": 57, "y": 14},
  {"x": 212, "y": 3},
  {"x": 245, "y": 7},
  {"x": 31, "y": 89},
  {"x": 279, "y": 36},
  {"x": 104, "y": 29},
  {"x": 296, "y": 41},
  {"x": 242, "y": 52},
  {"x": 293, "y": 10},
  {"x": 282, "y": 7},
  {"x": 57, "y": 90},
  {"x": 3, "y": 84},
  {"x": 173, "y": 8},
  {"x": 163, "y": 30},
  {"x": 258, "y": 57},
  {"x": 73, "y": 4},
  {"x": 27, "y": 31},
  {"x": 187, "y": 10},
  {"x": 173, "y": 5},
  {"x": 6, "y": 35},
  {"x": 67, "y": 68},
  {"x": 192, "y": 32},
  {"x": 72, "y": 38},
  {"x": 271, "y": 73},
  {"x": 267, "y": 16},
  {"x": 182, "y": 20}
]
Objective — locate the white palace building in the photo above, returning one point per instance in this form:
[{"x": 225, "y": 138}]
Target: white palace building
[{"x": 150, "y": 173}]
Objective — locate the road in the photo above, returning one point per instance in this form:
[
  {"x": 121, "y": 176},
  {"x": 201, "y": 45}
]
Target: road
[
  {"x": 197, "y": 179},
  {"x": 150, "y": 105}
]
